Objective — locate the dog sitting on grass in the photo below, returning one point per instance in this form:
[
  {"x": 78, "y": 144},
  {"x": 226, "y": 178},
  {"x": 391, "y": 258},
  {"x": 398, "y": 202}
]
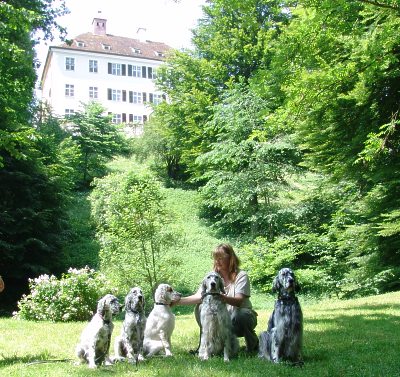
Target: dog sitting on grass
[
  {"x": 283, "y": 339},
  {"x": 130, "y": 343},
  {"x": 94, "y": 344}
]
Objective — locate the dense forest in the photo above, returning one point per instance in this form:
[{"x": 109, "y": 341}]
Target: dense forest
[{"x": 283, "y": 116}]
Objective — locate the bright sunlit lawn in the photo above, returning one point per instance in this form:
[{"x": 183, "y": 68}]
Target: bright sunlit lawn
[{"x": 341, "y": 338}]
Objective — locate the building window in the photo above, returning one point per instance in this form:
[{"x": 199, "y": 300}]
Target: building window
[
  {"x": 70, "y": 64},
  {"x": 134, "y": 70},
  {"x": 116, "y": 118},
  {"x": 135, "y": 118},
  {"x": 151, "y": 73},
  {"x": 135, "y": 97},
  {"x": 160, "y": 54},
  {"x": 69, "y": 112},
  {"x": 157, "y": 98},
  {"x": 93, "y": 92},
  {"x": 106, "y": 47},
  {"x": 93, "y": 66},
  {"x": 114, "y": 95},
  {"x": 117, "y": 69},
  {"x": 136, "y": 50},
  {"x": 69, "y": 90},
  {"x": 80, "y": 44}
]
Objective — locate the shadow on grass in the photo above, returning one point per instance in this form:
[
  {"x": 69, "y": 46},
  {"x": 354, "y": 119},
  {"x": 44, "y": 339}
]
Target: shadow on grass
[
  {"x": 29, "y": 359},
  {"x": 353, "y": 339}
]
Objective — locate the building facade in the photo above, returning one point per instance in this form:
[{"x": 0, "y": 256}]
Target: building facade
[{"x": 117, "y": 72}]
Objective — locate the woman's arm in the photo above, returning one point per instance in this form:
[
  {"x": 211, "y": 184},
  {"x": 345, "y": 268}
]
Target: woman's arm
[
  {"x": 234, "y": 301},
  {"x": 189, "y": 300}
]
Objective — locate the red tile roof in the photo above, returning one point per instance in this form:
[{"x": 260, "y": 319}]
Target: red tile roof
[{"x": 119, "y": 46}]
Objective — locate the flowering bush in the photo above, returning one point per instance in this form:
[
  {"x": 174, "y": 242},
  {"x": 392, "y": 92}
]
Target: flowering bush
[{"x": 72, "y": 298}]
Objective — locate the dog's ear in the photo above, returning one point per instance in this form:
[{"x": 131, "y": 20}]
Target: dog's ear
[
  {"x": 221, "y": 285},
  {"x": 276, "y": 285},
  {"x": 203, "y": 287},
  {"x": 101, "y": 306},
  {"x": 297, "y": 287}
]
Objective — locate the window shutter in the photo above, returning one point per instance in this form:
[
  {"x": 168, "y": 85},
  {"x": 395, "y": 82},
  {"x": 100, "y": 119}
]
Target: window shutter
[
  {"x": 109, "y": 94},
  {"x": 149, "y": 72},
  {"x": 124, "y": 95},
  {"x": 124, "y": 117},
  {"x": 164, "y": 97},
  {"x": 144, "y": 118},
  {"x": 129, "y": 69},
  {"x": 130, "y": 96},
  {"x": 130, "y": 118},
  {"x": 110, "y": 68},
  {"x": 143, "y": 71},
  {"x": 144, "y": 97},
  {"x": 151, "y": 98},
  {"x": 123, "y": 69}
]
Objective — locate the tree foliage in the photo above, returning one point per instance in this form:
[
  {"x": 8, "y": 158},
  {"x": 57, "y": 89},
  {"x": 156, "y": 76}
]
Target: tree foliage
[
  {"x": 319, "y": 93},
  {"x": 134, "y": 230},
  {"x": 97, "y": 138},
  {"x": 247, "y": 166},
  {"x": 31, "y": 205}
]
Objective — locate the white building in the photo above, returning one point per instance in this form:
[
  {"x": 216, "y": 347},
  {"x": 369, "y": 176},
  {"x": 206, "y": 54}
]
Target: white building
[{"x": 117, "y": 72}]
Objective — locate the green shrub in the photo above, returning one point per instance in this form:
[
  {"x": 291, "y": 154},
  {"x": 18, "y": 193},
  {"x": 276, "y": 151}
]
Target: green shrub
[
  {"x": 319, "y": 270},
  {"x": 72, "y": 298}
]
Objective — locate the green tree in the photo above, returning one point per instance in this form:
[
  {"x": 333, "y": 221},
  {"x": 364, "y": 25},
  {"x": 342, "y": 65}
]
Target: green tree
[
  {"x": 31, "y": 207},
  {"x": 247, "y": 168},
  {"x": 134, "y": 230},
  {"x": 339, "y": 66},
  {"x": 231, "y": 44},
  {"x": 98, "y": 140},
  {"x": 19, "y": 21}
]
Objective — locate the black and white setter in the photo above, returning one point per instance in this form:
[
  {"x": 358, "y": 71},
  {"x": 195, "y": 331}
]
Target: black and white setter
[
  {"x": 217, "y": 335},
  {"x": 130, "y": 343},
  {"x": 283, "y": 339},
  {"x": 94, "y": 344}
]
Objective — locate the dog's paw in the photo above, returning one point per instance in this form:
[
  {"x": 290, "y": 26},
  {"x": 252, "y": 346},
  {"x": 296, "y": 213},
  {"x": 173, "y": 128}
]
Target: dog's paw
[{"x": 117, "y": 359}]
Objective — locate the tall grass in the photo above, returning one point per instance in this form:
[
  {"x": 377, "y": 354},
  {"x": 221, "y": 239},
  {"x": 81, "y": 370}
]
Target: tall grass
[{"x": 341, "y": 338}]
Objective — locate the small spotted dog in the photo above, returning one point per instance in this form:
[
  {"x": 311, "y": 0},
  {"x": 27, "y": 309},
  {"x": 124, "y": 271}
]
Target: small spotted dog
[
  {"x": 160, "y": 322},
  {"x": 283, "y": 339},
  {"x": 95, "y": 340},
  {"x": 130, "y": 343}
]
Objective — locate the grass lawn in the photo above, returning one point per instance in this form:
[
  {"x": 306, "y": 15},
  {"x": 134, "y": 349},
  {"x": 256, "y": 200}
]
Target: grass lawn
[{"x": 358, "y": 337}]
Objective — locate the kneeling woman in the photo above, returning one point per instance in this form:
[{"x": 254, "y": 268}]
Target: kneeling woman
[{"x": 237, "y": 298}]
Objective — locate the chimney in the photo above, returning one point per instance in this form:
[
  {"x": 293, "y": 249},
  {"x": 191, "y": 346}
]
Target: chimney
[
  {"x": 141, "y": 34},
  {"x": 99, "y": 26}
]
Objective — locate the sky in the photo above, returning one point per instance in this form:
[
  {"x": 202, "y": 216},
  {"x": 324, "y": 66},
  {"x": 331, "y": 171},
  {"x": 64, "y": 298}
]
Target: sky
[{"x": 164, "y": 20}]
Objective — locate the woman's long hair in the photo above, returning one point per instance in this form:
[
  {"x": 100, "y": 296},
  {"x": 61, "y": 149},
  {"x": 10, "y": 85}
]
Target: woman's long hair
[{"x": 223, "y": 250}]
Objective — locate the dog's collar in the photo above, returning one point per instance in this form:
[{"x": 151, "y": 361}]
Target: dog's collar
[
  {"x": 106, "y": 321},
  {"x": 287, "y": 298},
  {"x": 161, "y": 303}
]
